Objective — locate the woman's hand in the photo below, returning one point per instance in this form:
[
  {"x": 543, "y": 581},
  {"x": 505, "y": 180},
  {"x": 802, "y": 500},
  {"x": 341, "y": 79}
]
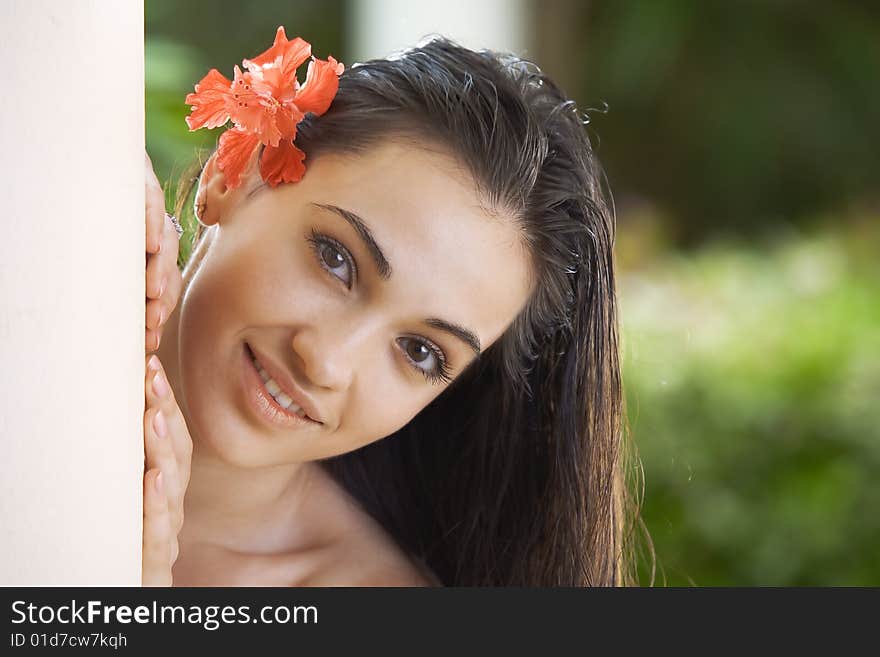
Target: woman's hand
[
  {"x": 164, "y": 280},
  {"x": 167, "y": 457}
]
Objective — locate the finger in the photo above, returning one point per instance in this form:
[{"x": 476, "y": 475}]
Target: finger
[
  {"x": 172, "y": 292},
  {"x": 157, "y": 276},
  {"x": 151, "y": 341},
  {"x": 157, "y": 313},
  {"x": 157, "y": 542},
  {"x": 159, "y": 454},
  {"x": 172, "y": 452},
  {"x": 154, "y": 208},
  {"x": 170, "y": 241},
  {"x": 180, "y": 436},
  {"x": 162, "y": 267},
  {"x": 152, "y": 338}
]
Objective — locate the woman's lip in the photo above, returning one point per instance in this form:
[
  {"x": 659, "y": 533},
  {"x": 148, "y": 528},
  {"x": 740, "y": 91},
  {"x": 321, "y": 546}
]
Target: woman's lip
[
  {"x": 262, "y": 402},
  {"x": 287, "y": 384}
]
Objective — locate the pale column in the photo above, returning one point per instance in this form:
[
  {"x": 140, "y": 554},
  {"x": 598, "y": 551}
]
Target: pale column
[
  {"x": 71, "y": 284},
  {"x": 379, "y": 27}
]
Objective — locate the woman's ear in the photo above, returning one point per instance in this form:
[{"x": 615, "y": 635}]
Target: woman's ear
[{"x": 213, "y": 200}]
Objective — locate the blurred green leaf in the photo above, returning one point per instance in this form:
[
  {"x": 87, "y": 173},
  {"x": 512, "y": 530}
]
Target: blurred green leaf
[{"x": 752, "y": 377}]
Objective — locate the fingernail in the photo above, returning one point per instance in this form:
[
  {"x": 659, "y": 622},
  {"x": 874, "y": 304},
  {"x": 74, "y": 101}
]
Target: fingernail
[
  {"x": 162, "y": 287},
  {"x": 160, "y": 387},
  {"x": 153, "y": 363},
  {"x": 161, "y": 317},
  {"x": 159, "y": 425},
  {"x": 159, "y": 482}
]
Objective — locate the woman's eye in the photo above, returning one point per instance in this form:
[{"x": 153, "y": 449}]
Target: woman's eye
[
  {"x": 333, "y": 257},
  {"x": 419, "y": 353},
  {"x": 336, "y": 259}
]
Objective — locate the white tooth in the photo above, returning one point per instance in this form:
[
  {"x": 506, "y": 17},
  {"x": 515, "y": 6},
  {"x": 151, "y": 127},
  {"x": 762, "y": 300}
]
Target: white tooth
[
  {"x": 275, "y": 390},
  {"x": 260, "y": 370}
]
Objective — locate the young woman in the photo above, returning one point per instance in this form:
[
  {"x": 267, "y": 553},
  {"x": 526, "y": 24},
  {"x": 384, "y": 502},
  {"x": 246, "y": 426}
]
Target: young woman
[{"x": 401, "y": 369}]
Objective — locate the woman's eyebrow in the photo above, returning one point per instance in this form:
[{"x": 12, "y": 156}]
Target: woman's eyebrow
[
  {"x": 366, "y": 235},
  {"x": 385, "y": 272},
  {"x": 465, "y": 335}
]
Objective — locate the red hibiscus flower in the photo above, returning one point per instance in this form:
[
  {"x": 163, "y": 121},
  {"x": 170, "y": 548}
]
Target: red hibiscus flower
[{"x": 266, "y": 102}]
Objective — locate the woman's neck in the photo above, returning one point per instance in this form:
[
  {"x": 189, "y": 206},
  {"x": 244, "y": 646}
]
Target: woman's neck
[{"x": 255, "y": 510}]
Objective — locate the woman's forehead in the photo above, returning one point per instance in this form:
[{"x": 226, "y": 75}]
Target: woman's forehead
[{"x": 424, "y": 172}]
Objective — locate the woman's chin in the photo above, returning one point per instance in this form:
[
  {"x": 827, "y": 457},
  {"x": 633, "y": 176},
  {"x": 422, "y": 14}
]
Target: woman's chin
[
  {"x": 213, "y": 438},
  {"x": 220, "y": 431},
  {"x": 224, "y": 432}
]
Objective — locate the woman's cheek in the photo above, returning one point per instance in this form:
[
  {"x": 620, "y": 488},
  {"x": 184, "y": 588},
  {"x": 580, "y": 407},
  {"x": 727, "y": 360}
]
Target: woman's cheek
[
  {"x": 294, "y": 285},
  {"x": 396, "y": 404}
]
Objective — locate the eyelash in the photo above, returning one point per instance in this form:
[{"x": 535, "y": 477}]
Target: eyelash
[{"x": 317, "y": 240}]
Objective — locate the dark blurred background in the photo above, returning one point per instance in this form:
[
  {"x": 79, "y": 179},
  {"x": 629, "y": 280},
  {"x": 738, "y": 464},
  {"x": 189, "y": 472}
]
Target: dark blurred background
[{"x": 742, "y": 143}]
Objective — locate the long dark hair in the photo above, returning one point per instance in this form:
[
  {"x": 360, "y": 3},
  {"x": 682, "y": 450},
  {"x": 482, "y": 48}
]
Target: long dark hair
[{"x": 519, "y": 473}]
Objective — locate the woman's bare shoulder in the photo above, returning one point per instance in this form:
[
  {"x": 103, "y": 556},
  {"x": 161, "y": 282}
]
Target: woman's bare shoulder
[
  {"x": 368, "y": 556},
  {"x": 363, "y": 552}
]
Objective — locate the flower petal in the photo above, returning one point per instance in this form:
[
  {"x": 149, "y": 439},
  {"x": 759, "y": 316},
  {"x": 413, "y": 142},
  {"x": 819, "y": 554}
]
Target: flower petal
[
  {"x": 283, "y": 88},
  {"x": 283, "y": 163},
  {"x": 287, "y": 118},
  {"x": 296, "y": 53},
  {"x": 253, "y": 108},
  {"x": 280, "y": 73},
  {"x": 293, "y": 53},
  {"x": 234, "y": 151},
  {"x": 209, "y": 109},
  {"x": 321, "y": 84},
  {"x": 270, "y": 54}
]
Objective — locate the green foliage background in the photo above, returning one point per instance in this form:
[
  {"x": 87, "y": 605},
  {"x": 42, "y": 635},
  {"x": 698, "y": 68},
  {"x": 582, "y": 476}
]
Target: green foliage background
[
  {"x": 736, "y": 117},
  {"x": 741, "y": 143},
  {"x": 753, "y": 378}
]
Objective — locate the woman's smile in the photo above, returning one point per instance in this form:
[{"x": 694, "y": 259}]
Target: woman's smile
[{"x": 266, "y": 399}]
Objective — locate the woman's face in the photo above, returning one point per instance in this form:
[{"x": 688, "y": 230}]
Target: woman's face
[{"x": 288, "y": 276}]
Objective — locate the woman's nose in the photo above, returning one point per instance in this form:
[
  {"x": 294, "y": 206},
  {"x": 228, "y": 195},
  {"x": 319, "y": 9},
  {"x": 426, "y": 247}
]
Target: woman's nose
[{"x": 331, "y": 356}]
